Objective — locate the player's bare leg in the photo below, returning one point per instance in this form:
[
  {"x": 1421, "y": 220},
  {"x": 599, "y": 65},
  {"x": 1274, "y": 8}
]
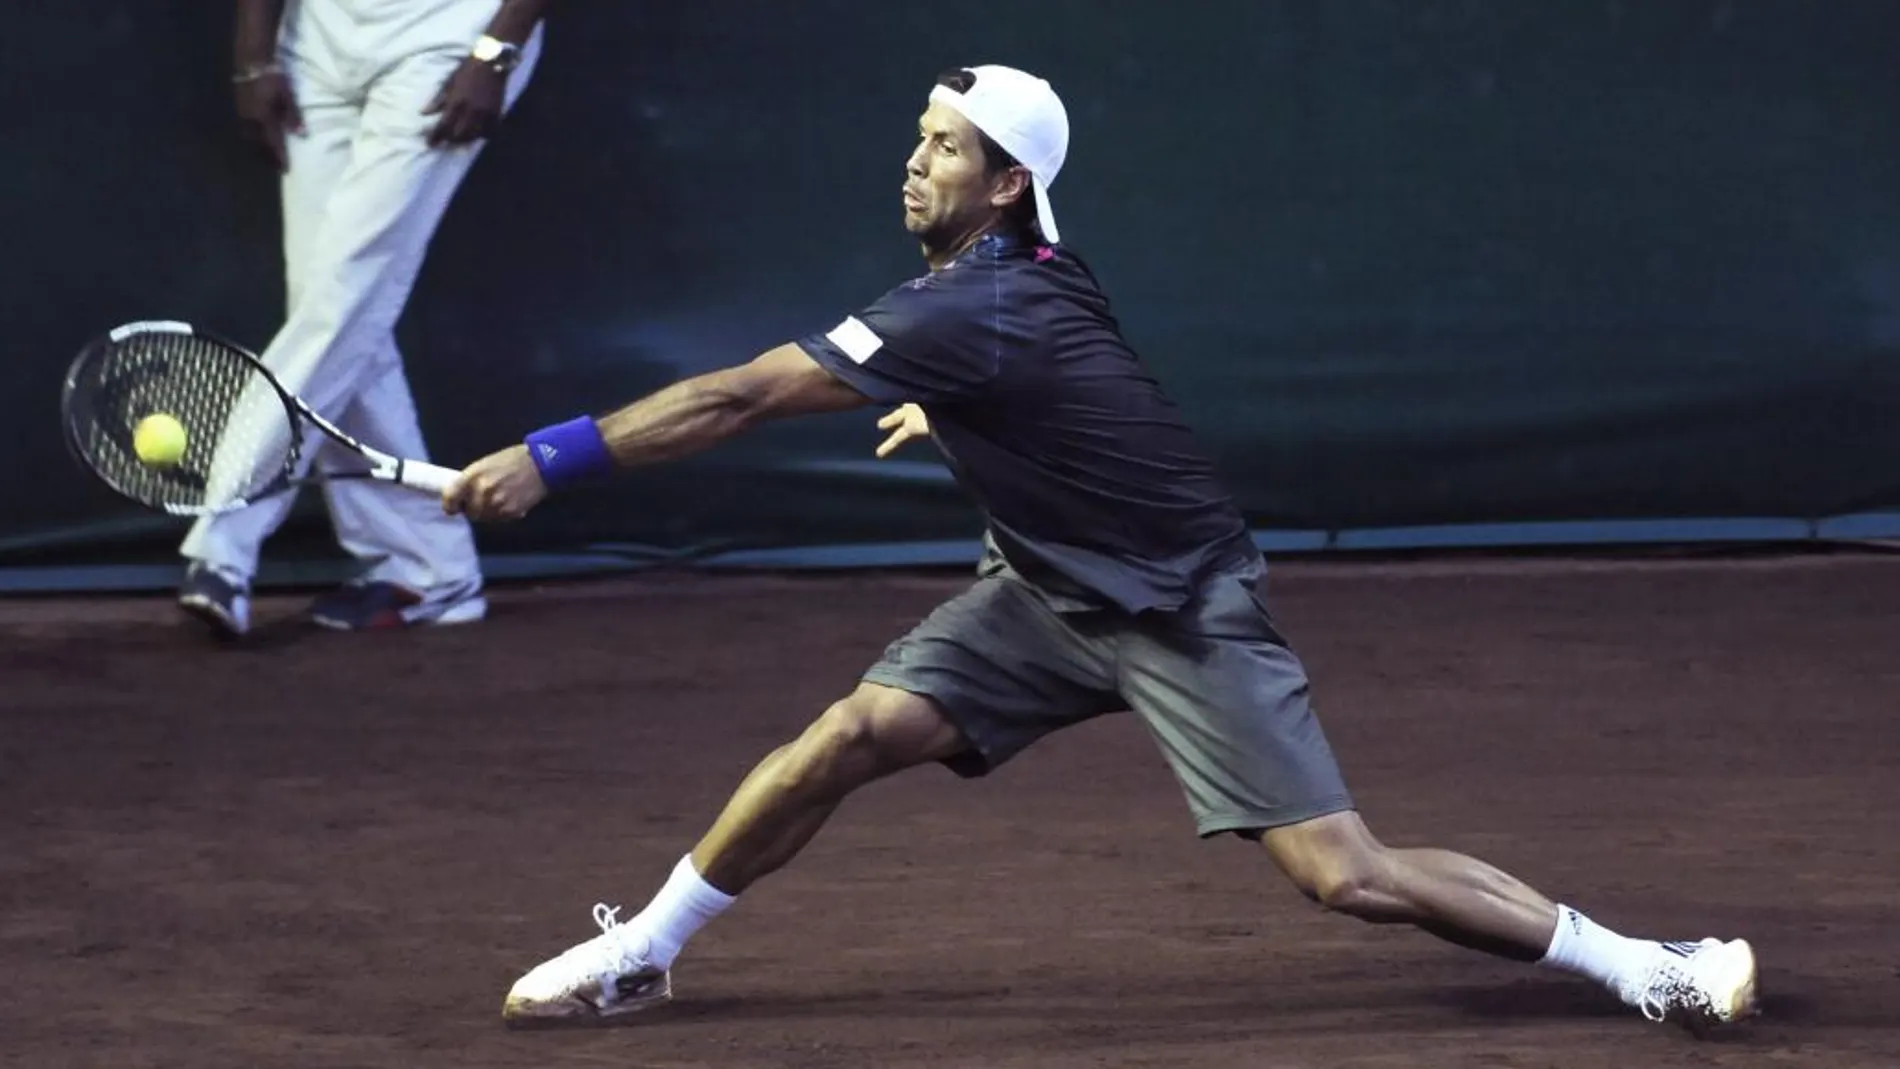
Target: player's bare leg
[
  {"x": 774, "y": 812},
  {"x": 1336, "y": 861}
]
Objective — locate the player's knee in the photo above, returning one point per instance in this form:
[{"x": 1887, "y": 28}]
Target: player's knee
[
  {"x": 1346, "y": 874},
  {"x": 855, "y": 741},
  {"x": 1337, "y": 864},
  {"x": 870, "y": 734},
  {"x": 1349, "y": 886},
  {"x": 834, "y": 752}
]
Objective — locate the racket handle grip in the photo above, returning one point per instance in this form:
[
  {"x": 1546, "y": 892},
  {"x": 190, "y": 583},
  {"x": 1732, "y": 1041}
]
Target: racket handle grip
[{"x": 429, "y": 478}]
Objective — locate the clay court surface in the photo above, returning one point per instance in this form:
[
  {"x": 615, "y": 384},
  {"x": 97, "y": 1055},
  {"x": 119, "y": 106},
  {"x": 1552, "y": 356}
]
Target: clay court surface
[{"x": 338, "y": 850}]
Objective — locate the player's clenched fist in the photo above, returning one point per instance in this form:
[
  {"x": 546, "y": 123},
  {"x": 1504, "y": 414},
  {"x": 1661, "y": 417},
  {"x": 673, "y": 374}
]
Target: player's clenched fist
[{"x": 500, "y": 486}]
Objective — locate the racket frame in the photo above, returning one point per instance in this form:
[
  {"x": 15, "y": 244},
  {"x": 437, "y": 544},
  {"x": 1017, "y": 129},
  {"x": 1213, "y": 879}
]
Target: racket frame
[{"x": 417, "y": 475}]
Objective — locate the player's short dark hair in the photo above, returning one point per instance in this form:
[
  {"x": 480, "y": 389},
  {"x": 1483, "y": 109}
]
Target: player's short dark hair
[{"x": 1020, "y": 215}]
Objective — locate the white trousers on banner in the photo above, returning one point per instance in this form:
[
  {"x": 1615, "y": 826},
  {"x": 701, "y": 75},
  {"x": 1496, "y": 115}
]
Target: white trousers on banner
[{"x": 362, "y": 198}]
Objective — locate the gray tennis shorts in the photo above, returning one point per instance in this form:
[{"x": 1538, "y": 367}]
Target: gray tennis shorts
[{"x": 1217, "y": 686}]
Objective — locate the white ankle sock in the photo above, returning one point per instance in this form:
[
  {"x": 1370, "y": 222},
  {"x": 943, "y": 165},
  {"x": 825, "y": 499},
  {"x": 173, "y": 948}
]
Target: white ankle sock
[
  {"x": 1582, "y": 946},
  {"x": 681, "y": 908}
]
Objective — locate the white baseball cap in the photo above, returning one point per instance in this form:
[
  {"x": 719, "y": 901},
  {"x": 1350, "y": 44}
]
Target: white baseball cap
[{"x": 1022, "y": 113}]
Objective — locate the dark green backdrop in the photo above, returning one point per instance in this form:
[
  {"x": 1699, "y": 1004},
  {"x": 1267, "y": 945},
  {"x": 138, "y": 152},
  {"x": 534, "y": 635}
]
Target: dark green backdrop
[{"x": 1406, "y": 263}]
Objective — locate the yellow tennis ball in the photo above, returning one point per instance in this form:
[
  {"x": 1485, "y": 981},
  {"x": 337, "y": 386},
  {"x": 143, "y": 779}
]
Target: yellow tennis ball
[{"x": 159, "y": 440}]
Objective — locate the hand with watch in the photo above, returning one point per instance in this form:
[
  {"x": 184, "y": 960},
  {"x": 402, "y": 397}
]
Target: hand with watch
[{"x": 471, "y": 101}]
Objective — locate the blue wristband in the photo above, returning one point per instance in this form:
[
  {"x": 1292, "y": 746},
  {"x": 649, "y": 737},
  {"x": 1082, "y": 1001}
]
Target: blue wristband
[{"x": 571, "y": 452}]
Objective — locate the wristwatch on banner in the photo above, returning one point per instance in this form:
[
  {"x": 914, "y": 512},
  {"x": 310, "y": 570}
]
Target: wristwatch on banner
[{"x": 500, "y": 56}]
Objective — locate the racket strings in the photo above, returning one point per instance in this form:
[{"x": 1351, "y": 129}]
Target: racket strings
[{"x": 237, "y": 431}]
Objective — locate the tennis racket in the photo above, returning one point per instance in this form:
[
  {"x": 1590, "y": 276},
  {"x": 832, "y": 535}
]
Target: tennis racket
[{"x": 244, "y": 434}]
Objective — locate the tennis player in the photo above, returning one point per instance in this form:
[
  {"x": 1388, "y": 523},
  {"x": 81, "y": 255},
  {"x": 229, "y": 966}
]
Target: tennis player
[{"x": 1118, "y": 575}]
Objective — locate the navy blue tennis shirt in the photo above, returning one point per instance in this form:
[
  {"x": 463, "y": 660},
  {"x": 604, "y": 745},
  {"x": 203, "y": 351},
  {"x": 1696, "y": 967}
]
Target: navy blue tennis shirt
[{"x": 1093, "y": 486}]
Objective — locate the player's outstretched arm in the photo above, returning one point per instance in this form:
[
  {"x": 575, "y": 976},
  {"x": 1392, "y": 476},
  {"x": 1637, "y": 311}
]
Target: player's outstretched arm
[
  {"x": 685, "y": 418},
  {"x": 700, "y": 412}
]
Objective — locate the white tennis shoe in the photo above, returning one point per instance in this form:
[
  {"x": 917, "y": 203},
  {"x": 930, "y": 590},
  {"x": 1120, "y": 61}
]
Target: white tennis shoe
[
  {"x": 1697, "y": 985},
  {"x": 593, "y": 982}
]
